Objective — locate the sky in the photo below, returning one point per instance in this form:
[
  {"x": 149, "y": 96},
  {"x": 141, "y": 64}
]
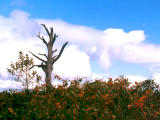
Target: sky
[{"x": 107, "y": 38}]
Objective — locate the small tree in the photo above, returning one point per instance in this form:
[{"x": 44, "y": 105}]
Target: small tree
[
  {"x": 47, "y": 65},
  {"x": 22, "y": 72}
]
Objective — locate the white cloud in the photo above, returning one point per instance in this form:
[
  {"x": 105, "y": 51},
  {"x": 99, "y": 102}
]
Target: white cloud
[
  {"x": 96, "y": 76},
  {"x": 18, "y": 32},
  {"x": 102, "y": 46},
  {"x": 73, "y": 63},
  {"x": 23, "y": 26},
  {"x": 117, "y": 37},
  {"x": 104, "y": 77},
  {"x": 141, "y": 53},
  {"x": 78, "y": 34},
  {"x": 104, "y": 60},
  {"x": 135, "y": 78},
  {"x": 154, "y": 68},
  {"x": 9, "y": 53},
  {"x": 156, "y": 77},
  {"x": 9, "y": 84}
]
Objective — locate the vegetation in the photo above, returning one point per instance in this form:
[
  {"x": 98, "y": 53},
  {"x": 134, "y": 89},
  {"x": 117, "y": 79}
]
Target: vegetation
[
  {"x": 21, "y": 71},
  {"x": 110, "y": 100}
]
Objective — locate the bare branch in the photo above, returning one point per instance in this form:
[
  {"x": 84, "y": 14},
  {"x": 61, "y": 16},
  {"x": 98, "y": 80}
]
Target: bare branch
[
  {"x": 54, "y": 51},
  {"x": 60, "y": 53},
  {"x": 46, "y": 29},
  {"x": 42, "y": 38},
  {"x": 51, "y": 35},
  {"x": 51, "y": 31},
  {"x": 43, "y": 54},
  {"x": 35, "y": 66},
  {"x": 38, "y": 57},
  {"x": 54, "y": 38},
  {"x": 53, "y": 58}
]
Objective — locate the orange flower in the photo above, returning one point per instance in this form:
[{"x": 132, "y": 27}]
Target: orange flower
[
  {"x": 152, "y": 105},
  {"x": 54, "y": 117},
  {"x": 58, "y": 105},
  {"x": 148, "y": 91},
  {"x": 74, "y": 111},
  {"x": 110, "y": 83},
  {"x": 145, "y": 113},
  {"x": 93, "y": 97},
  {"x": 11, "y": 110},
  {"x": 130, "y": 106},
  {"x": 156, "y": 113},
  {"x": 87, "y": 98},
  {"x": 105, "y": 96},
  {"x": 136, "y": 83},
  {"x": 65, "y": 102},
  {"x": 140, "y": 104},
  {"x": 94, "y": 113},
  {"x": 142, "y": 99},
  {"x": 88, "y": 109},
  {"x": 81, "y": 94},
  {"x": 108, "y": 102}
]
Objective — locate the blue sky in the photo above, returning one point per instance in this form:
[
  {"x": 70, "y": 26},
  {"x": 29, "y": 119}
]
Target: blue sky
[
  {"x": 124, "y": 14},
  {"x": 136, "y": 20}
]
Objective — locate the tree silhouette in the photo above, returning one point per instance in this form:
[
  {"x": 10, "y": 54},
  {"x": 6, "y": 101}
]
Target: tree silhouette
[{"x": 47, "y": 65}]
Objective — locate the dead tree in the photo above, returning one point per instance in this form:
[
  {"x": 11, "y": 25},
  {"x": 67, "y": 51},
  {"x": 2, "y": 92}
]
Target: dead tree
[{"x": 47, "y": 65}]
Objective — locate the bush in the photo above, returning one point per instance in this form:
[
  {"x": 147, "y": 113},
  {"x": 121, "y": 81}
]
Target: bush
[{"x": 111, "y": 100}]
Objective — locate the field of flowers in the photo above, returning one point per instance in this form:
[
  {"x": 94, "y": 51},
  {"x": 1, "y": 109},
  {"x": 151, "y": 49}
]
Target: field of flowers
[{"x": 99, "y": 100}]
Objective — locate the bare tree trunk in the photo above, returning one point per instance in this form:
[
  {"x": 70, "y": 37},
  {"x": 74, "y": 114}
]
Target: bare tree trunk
[
  {"x": 48, "y": 77},
  {"x": 47, "y": 65}
]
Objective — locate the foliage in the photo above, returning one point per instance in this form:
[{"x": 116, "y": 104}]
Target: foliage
[
  {"x": 108, "y": 100},
  {"x": 149, "y": 84},
  {"x": 21, "y": 70}
]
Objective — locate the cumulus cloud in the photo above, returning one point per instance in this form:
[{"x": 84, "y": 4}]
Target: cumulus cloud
[
  {"x": 78, "y": 34},
  {"x": 104, "y": 77},
  {"x": 135, "y": 78},
  {"x": 154, "y": 68},
  {"x": 73, "y": 63},
  {"x": 23, "y": 26},
  {"x": 156, "y": 77},
  {"x": 117, "y": 37},
  {"x": 141, "y": 53},
  {"x": 9, "y": 84},
  {"x": 102, "y": 46},
  {"x": 86, "y": 44},
  {"x": 19, "y": 33}
]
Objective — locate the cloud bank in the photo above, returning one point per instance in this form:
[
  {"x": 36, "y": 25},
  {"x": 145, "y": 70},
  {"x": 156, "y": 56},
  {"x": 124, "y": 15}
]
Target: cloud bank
[{"x": 86, "y": 44}]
